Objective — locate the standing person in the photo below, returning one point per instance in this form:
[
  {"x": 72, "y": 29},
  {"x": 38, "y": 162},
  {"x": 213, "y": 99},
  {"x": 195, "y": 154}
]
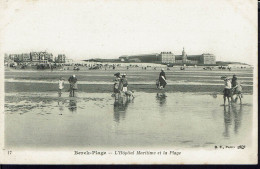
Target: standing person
[
  {"x": 116, "y": 82},
  {"x": 51, "y": 67},
  {"x": 116, "y": 88},
  {"x": 236, "y": 89},
  {"x": 73, "y": 85},
  {"x": 124, "y": 83},
  {"x": 61, "y": 85},
  {"x": 162, "y": 79},
  {"x": 227, "y": 90}
]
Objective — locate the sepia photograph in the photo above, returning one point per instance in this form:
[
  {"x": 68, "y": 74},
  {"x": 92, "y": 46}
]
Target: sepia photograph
[{"x": 129, "y": 82}]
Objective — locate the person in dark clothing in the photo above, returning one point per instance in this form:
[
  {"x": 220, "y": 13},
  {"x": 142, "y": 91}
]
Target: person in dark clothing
[
  {"x": 73, "y": 85},
  {"x": 116, "y": 83},
  {"x": 116, "y": 86},
  {"x": 236, "y": 89},
  {"x": 162, "y": 79}
]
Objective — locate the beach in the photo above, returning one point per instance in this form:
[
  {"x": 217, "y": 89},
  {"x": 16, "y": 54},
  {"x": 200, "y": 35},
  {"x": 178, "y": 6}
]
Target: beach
[
  {"x": 35, "y": 117},
  {"x": 99, "y": 81}
]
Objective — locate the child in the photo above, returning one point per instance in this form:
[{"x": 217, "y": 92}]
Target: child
[
  {"x": 61, "y": 85},
  {"x": 227, "y": 90},
  {"x": 124, "y": 82},
  {"x": 157, "y": 84}
]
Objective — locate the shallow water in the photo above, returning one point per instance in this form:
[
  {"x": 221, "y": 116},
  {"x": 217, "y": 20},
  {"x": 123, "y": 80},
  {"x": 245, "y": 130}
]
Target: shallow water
[{"x": 44, "y": 120}]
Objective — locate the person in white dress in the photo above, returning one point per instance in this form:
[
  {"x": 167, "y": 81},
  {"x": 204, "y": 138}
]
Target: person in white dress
[{"x": 61, "y": 85}]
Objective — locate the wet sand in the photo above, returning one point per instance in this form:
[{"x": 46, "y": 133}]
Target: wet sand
[
  {"x": 99, "y": 81},
  {"x": 190, "y": 113},
  {"x": 106, "y": 88},
  {"x": 44, "y": 120}
]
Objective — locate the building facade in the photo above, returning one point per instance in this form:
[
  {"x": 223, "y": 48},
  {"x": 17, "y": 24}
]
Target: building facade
[
  {"x": 208, "y": 59},
  {"x": 170, "y": 58},
  {"x": 167, "y": 57},
  {"x": 61, "y": 58},
  {"x": 35, "y": 57},
  {"x": 26, "y": 57},
  {"x": 203, "y": 59}
]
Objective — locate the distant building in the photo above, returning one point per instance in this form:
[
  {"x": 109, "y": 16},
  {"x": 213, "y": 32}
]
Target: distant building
[
  {"x": 36, "y": 57},
  {"x": 208, "y": 59},
  {"x": 11, "y": 56},
  {"x": 17, "y": 57},
  {"x": 203, "y": 59},
  {"x": 7, "y": 59},
  {"x": 41, "y": 57},
  {"x": 61, "y": 58},
  {"x": 187, "y": 59},
  {"x": 26, "y": 57},
  {"x": 167, "y": 57},
  {"x": 170, "y": 58}
]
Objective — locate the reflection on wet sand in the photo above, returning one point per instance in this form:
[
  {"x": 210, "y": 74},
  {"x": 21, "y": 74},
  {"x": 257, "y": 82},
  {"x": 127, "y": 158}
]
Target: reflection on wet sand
[
  {"x": 237, "y": 117},
  {"x": 227, "y": 120},
  {"x": 133, "y": 122},
  {"x": 73, "y": 105},
  {"x": 61, "y": 105},
  {"x": 229, "y": 112},
  {"x": 120, "y": 109},
  {"x": 161, "y": 98}
]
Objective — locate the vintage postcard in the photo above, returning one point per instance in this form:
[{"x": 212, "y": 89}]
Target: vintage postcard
[{"x": 128, "y": 82}]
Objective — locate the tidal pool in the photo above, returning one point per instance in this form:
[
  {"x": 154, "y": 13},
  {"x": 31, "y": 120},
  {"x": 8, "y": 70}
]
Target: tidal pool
[{"x": 185, "y": 120}]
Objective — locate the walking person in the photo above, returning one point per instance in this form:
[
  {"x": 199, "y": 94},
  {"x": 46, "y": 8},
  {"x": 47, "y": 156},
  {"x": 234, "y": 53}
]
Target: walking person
[
  {"x": 73, "y": 85},
  {"x": 162, "y": 79},
  {"x": 61, "y": 85}
]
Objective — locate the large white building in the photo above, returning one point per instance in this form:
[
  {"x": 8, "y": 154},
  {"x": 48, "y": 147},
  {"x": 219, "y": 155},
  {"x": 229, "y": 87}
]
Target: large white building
[
  {"x": 170, "y": 58},
  {"x": 167, "y": 57}
]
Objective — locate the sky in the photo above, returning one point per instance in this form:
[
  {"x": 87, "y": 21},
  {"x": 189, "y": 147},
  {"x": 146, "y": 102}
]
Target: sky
[{"x": 84, "y": 29}]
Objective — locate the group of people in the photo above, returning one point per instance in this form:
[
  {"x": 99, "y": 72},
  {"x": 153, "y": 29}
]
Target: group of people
[
  {"x": 232, "y": 87},
  {"x": 120, "y": 86},
  {"x": 73, "y": 85}
]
